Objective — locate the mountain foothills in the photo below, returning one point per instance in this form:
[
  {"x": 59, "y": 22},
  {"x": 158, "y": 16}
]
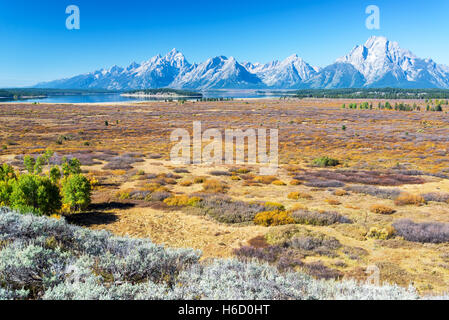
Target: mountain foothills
[{"x": 377, "y": 63}]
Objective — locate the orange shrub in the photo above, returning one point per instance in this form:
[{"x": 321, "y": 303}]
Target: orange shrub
[
  {"x": 333, "y": 202},
  {"x": 177, "y": 201},
  {"x": 186, "y": 183},
  {"x": 340, "y": 192},
  {"x": 265, "y": 179},
  {"x": 409, "y": 199},
  {"x": 295, "y": 182},
  {"x": 381, "y": 209},
  {"x": 214, "y": 186},
  {"x": 279, "y": 183},
  {"x": 273, "y": 218}
]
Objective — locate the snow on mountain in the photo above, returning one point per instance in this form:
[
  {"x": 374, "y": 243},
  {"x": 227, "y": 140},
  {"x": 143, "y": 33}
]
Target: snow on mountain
[
  {"x": 377, "y": 63},
  {"x": 218, "y": 73},
  {"x": 384, "y": 63},
  {"x": 287, "y": 74}
]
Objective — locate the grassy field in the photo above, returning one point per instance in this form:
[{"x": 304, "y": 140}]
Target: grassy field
[{"x": 335, "y": 222}]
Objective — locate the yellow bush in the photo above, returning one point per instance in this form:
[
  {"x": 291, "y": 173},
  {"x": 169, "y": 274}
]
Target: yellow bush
[
  {"x": 274, "y": 205},
  {"x": 194, "y": 201},
  {"x": 278, "y": 183},
  {"x": 273, "y": 218},
  {"x": 235, "y": 178},
  {"x": 199, "y": 180},
  {"x": 295, "y": 182},
  {"x": 293, "y": 195},
  {"x": 381, "y": 209},
  {"x": 177, "y": 201},
  {"x": 409, "y": 199},
  {"x": 265, "y": 179},
  {"x": 382, "y": 234}
]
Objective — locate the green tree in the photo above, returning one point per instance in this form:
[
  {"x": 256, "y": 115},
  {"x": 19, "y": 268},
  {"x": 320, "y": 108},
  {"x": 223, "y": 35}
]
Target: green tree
[
  {"x": 35, "y": 193},
  {"x": 76, "y": 191},
  {"x": 72, "y": 166},
  {"x": 55, "y": 174}
]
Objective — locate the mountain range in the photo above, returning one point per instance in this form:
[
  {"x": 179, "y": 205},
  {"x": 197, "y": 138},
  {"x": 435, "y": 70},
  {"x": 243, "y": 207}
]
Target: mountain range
[{"x": 375, "y": 64}]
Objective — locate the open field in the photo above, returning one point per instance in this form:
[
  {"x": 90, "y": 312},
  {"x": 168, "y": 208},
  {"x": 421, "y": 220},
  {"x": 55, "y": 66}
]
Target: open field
[{"x": 340, "y": 222}]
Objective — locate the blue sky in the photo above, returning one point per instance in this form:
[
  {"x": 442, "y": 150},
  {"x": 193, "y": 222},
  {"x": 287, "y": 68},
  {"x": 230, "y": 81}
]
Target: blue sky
[{"x": 36, "y": 46}]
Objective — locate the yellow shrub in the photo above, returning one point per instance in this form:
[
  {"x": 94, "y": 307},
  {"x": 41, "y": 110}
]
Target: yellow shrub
[
  {"x": 177, "y": 201},
  {"x": 273, "y": 218},
  {"x": 194, "y": 201},
  {"x": 274, "y": 205},
  {"x": 235, "y": 178},
  {"x": 381, "y": 209},
  {"x": 199, "y": 180},
  {"x": 295, "y": 182},
  {"x": 409, "y": 199},
  {"x": 279, "y": 183},
  {"x": 293, "y": 195},
  {"x": 382, "y": 234},
  {"x": 265, "y": 179}
]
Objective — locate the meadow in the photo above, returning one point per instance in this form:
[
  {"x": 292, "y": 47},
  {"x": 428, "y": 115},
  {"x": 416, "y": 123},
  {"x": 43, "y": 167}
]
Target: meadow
[{"x": 359, "y": 192}]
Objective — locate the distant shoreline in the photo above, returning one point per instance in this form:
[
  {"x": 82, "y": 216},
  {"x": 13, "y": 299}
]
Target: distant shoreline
[{"x": 157, "y": 95}]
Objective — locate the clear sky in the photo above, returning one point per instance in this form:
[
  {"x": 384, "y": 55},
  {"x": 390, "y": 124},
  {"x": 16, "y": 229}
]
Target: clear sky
[{"x": 36, "y": 46}]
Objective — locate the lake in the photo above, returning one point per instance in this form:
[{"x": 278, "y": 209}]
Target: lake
[{"x": 116, "y": 97}]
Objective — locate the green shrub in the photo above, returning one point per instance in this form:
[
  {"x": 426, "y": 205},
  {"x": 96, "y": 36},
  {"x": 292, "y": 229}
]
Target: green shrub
[{"x": 326, "y": 162}]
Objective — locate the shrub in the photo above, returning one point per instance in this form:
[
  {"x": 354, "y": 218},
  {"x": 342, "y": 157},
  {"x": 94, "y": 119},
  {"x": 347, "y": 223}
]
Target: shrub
[
  {"x": 219, "y": 173},
  {"x": 436, "y": 196},
  {"x": 340, "y": 192},
  {"x": 274, "y": 206},
  {"x": 199, "y": 180},
  {"x": 381, "y": 233},
  {"x": 35, "y": 193},
  {"x": 324, "y": 184},
  {"x": 426, "y": 232},
  {"x": 279, "y": 183},
  {"x": 76, "y": 190},
  {"x": 186, "y": 183},
  {"x": 409, "y": 199},
  {"x": 381, "y": 209},
  {"x": 325, "y": 162},
  {"x": 293, "y": 195},
  {"x": 160, "y": 195},
  {"x": 107, "y": 267},
  {"x": 214, "y": 186},
  {"x": 333, "y": 202},
  {"x": 318, "y": 218},
  {"x": 177, "y": 201},
  {"x": 265, "y": 179},
  {"x": 7, "y": 172},
  {"x": 223, "y": 209},
  {"x": 273, "y": 218},
  {"x": 295, "y": 182},
  {"x": 375, "y": 191}
]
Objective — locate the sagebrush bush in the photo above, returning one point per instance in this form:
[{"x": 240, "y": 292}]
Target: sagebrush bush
[
  {"x": 50, "y": 259},
  {"x": 425, "y": 232},
  {"x": 375, "y": 191},
  {"x": 214, "y": 186},
  {"x": 316, "y": 218}
]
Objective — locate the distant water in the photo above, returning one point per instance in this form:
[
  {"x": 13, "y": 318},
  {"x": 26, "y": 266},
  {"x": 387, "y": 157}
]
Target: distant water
[{"x": 105, "y": 98}]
